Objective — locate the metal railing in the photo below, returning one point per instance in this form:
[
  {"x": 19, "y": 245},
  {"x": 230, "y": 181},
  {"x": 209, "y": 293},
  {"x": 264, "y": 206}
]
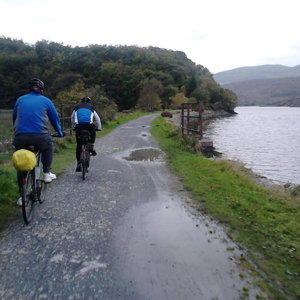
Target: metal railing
[
  {"x": 191, "y": 119},
  {"x": 65, "y": 111}
]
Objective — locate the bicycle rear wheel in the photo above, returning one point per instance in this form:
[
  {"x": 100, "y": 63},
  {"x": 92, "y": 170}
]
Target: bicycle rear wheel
[
  {"x": 83, "y": 163},
  {"x": 28, "y": 201}
]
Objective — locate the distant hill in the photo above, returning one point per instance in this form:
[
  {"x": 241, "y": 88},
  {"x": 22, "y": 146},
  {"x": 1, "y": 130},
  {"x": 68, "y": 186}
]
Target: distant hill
[
  {"x": 257, "y": 72},
  {"x": 263, "y": 85}
]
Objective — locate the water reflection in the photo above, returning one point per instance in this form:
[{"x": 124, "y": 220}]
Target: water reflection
[{"x": 266, "y": 139}]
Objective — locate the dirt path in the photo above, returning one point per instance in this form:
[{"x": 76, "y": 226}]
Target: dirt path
[{"x": 123, "y": 233}]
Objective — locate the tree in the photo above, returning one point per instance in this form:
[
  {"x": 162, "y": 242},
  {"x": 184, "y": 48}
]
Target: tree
[
  {"x": 191, "y": 85},
  {"x": 201, "y": 94},
  {"x": 63, "y": 82},
  {"x": 121, "y": 71},
  {"x": 105, "y": 107},
  {"x": 178, "y": 99},
  {"x": 167, "y": 94},
  {"x": 71, "y": 96},
  {"x": 149, "y": 99},
  {"x": 228, "y": 99}
]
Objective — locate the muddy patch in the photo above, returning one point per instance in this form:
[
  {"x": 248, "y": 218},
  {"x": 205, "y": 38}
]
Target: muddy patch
[{"x": 146, "y": 154}]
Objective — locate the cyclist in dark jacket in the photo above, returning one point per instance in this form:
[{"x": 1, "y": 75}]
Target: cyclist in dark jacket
[{"x": 82, "y": 118}]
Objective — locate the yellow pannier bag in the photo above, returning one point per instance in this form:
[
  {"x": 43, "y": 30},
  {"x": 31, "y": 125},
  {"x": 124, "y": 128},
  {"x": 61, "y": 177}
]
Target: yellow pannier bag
[{"x": 24, "y": 160}]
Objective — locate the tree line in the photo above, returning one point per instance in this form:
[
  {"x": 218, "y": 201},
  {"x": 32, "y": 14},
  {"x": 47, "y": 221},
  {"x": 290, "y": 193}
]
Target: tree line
[{"x": 117, "y": 78}]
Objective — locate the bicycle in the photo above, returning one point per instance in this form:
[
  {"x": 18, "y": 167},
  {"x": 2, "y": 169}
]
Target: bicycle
[
  {"x": 32, "y": 186},
  {"x": 84, "y": 138}
]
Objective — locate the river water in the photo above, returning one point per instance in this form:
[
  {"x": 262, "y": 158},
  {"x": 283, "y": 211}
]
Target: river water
[{"x": 265, "y": 139}]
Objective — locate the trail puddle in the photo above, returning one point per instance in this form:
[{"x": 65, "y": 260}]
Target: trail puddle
[{"x": 146, "y": 154}]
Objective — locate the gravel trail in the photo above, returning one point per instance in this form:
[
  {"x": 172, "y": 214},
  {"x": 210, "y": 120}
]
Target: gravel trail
[{"x": 126, "y": 232}]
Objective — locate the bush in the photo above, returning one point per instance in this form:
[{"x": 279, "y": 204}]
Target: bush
[{"x": 166, "y": 114}]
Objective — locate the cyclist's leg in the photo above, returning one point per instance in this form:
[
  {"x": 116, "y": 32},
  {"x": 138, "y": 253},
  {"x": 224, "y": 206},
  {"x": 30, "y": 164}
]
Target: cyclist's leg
[
  {"x": 78, "y": 150},
  {"x": 83, "y": 157},
  {"x": 78, "y": 156},
  {"x": 20, "y": 176},
  {"x": 43, "y": 142},
  {"x": 92, "y": 131},
  {"x": 78, "y": 147}
]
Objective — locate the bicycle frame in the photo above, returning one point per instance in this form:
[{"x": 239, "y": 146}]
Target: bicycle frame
[{"x": 85, "y": 158}]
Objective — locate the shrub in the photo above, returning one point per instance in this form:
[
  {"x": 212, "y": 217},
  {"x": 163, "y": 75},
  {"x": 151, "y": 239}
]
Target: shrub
[{"x": 166, "y": 114}]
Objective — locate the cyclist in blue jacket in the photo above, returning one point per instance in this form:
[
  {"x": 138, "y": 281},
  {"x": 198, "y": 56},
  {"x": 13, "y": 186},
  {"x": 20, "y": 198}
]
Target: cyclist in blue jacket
[
  {"x": 82, "y": 118},
  {"x": 31, "y": 115}
]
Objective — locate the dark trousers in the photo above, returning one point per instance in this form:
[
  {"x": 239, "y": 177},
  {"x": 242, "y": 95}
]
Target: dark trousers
[
  {"x": 92, "y": 130},
  {"x": 41, "y": 142}
]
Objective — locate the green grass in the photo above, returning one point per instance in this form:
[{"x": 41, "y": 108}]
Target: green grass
[
  {"x": 64, "y": 155},
  {"x": 6, "y": 126},
  {"x": 263, "y": 220},
  {"x": 9, "y": 194}
]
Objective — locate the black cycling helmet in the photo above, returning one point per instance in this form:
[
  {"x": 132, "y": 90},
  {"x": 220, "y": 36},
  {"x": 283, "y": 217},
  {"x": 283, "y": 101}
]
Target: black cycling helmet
[
  {"x": 86, "y": 99},
  {"x": 36, "y": 84}
]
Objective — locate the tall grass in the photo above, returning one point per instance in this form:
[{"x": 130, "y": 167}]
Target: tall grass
[{"x": 264, "y": 221}]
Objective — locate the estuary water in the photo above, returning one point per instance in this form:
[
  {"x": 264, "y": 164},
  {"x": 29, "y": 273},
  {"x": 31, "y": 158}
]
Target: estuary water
[{"x": 265, "y": 139}]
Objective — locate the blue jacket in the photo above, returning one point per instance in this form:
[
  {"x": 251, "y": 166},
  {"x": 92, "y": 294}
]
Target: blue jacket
[
  {"x": 85, "y": 113},
  {"x": 32, "y": 113}
]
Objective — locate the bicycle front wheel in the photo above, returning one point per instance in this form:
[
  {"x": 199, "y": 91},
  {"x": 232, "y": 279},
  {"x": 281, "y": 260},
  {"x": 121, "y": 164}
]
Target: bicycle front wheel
[{"x": 28, "y": 201}]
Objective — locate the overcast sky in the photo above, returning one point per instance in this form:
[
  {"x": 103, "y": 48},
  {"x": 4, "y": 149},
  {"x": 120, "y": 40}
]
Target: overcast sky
[{"x": 218, "y": 34}]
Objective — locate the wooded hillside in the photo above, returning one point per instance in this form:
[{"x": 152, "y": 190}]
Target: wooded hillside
[{"x": 116, "y": 77}]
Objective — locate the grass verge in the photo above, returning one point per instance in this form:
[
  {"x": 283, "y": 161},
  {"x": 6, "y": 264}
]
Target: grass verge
[
  {"x": 63, "y": 156},
  {"x": 264, "y": 221}
]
